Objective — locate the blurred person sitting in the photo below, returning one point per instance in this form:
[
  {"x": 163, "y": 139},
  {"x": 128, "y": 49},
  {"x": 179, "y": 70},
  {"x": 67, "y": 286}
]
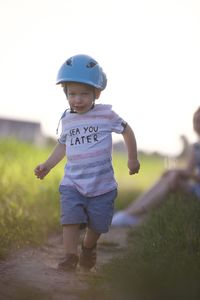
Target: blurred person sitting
[{"x": 185, "y": 179}]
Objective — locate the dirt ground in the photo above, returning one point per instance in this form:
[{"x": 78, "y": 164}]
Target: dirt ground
[{"x": 32, "y": 274}]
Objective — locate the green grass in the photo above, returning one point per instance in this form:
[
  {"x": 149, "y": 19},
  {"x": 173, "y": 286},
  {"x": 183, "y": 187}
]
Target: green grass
[
  {"x": 29, "y": 208},
  {"x": 162, "y": 260},
  {"x": 130, "y": 186}
]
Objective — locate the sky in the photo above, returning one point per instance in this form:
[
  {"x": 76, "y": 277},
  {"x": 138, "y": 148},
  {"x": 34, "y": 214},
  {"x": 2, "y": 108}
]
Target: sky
[{"x": 149, "y": 50}]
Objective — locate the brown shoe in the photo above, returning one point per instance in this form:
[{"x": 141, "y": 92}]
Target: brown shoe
[
  {"x": 69, "y": 262},
  {"x": 88, "y": 257}
]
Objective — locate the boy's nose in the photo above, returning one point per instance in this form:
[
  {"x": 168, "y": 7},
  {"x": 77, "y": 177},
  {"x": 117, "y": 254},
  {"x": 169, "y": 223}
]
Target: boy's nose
[{"x": 78, "y": 98}]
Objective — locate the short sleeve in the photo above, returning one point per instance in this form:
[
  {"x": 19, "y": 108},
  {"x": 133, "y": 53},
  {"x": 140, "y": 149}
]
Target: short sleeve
[
  {"x": 117, "y": 123},
  {"x": 63, "y": 136}
]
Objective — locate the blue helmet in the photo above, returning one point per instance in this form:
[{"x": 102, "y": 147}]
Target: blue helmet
[{"x": 83, "y": 69}]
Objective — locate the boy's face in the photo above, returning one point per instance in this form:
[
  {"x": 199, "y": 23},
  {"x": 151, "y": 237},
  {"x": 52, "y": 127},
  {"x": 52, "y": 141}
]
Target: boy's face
[{"x": 80, "y": 96}]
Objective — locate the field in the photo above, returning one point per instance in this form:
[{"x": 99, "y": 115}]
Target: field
[
  {"x": 130, "y": 187},
  {"x": 162, "y": 260},
  {"x": 29, "y": 208}
]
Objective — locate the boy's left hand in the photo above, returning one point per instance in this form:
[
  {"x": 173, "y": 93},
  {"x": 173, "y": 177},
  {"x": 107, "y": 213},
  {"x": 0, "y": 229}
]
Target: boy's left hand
[{"x": 134, "y": 166}]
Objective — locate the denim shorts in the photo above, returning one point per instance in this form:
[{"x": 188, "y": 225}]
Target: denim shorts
[{"x": 94, "y": 212}]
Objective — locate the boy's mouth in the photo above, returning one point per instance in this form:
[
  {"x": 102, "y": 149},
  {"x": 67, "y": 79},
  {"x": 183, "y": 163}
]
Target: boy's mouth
[{"x": 77, "y": 107}]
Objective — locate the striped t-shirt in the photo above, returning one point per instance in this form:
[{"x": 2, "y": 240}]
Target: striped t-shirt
[{"x": 88, "y": 139}]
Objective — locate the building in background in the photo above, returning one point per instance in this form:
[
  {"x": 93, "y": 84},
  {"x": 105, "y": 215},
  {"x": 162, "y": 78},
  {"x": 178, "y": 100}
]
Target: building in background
[{"x": 22, "y": 130}]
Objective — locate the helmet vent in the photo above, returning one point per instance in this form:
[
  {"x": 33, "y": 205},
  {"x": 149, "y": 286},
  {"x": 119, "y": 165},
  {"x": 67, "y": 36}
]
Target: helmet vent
[
  {"x": 91, "y": 64},
  {"x": 69, "y": 62}
]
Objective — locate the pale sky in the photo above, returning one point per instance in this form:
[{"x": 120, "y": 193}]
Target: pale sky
[{"x": 149, "y": 49}]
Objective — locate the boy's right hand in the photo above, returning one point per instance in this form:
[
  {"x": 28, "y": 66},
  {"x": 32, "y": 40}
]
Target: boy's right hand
[{"x": 41, "y": 171}]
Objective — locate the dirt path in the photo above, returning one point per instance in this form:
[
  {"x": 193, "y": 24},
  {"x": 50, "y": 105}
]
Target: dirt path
[{"x": 31, "y": 274}]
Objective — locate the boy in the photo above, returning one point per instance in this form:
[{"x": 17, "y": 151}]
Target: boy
[{"x": 88, "y": 188}]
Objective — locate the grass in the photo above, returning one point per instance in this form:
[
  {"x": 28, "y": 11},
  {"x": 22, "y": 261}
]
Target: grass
[
  {"x": 151, "y": 167},
  {"x": 162, "y": 260},
  {"x": 29, "y": 208},
  {"x": 163, "y": 257}
]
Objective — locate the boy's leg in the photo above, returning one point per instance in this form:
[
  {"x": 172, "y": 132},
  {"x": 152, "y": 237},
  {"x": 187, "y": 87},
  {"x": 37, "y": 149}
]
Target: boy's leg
[
  {"x": 71, "y": 234},
  {"x": 88, "y": 254},
  {"x": 70, "y": 242},
  {"x": 91, "y": 238},
  {"x": 99, "y": 211}
]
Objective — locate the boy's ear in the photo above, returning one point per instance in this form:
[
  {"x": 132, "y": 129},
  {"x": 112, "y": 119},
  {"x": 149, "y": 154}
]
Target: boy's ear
[{"x": 97, "y": 93}]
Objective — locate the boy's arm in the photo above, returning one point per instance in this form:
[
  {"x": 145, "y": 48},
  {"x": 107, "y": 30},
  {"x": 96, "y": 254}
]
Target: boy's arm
[
  {"x": 130, "y": 141},
  {"x": 56, "y": 156}
]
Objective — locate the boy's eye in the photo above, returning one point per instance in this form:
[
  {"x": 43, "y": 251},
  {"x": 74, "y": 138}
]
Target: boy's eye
[
  {"x": 71, "y": 94},
  {"x": 75, "y": 94}
]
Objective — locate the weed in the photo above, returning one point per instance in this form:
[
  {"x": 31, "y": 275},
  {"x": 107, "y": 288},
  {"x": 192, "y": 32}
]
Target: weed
[
  {"x": 29, "y": 208},
  {"x": 162, "y": 260}
]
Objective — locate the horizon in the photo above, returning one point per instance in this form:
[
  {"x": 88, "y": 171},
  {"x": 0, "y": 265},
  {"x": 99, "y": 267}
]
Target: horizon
[{"x": 149, "y": 51}]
